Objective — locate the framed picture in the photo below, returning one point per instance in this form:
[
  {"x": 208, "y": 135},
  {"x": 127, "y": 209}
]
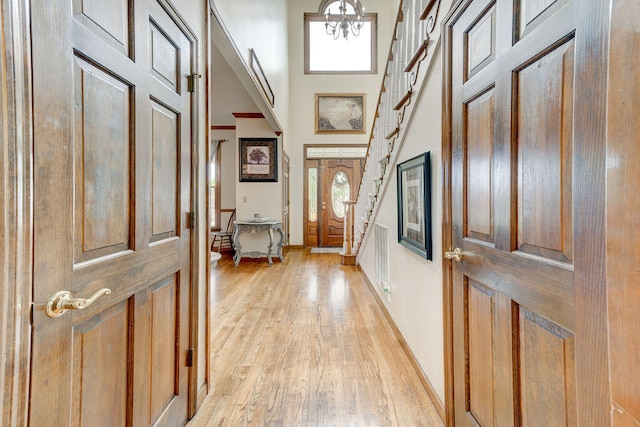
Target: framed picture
[
  {"x": 414, "y": 205},
  {"x": 262, "y": 79},
  {"x": 258, "y": 159},
  {"x": 340, "y": 113}
]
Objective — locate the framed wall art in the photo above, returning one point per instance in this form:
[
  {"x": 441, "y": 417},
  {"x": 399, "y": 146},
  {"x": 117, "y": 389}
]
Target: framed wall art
[
  {"x": 414, "y": 205},
  {"x": 258, "y": 160},
  {"x": 340, "y": 113}
]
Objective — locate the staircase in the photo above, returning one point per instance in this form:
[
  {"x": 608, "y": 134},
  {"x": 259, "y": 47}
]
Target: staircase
[{"x": 416, "y": 37}]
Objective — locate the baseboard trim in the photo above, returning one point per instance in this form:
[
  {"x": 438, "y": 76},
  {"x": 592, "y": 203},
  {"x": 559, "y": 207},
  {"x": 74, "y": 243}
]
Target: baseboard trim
[{"x": 433, "y": 396}]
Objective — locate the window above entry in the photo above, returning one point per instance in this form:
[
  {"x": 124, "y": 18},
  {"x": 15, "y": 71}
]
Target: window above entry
[{"x": 357, "y": 54}]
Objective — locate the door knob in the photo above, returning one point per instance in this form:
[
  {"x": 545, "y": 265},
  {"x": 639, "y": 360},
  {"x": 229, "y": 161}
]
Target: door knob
[
  {"x": 455, "y": 255},
  {"x": 61, "y": 301}
]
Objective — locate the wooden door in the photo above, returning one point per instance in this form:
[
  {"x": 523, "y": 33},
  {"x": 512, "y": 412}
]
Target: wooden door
[
  {"x": 112, "y": 190},
  {"x": 286, "y": 168},
  {"x": 338, "y": 182},
  {"x": 525, "y": 80}
]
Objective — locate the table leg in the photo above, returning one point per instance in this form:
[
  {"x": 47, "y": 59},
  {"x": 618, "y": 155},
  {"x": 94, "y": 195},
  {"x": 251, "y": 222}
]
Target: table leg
[
  {"x": 237, "y": 255},
  {"x": 278, "y": 228},
  {"x": 270, "y": 246}
]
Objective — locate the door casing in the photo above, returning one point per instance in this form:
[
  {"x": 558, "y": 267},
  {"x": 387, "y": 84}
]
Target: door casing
[{"x": 16, "y": 223}]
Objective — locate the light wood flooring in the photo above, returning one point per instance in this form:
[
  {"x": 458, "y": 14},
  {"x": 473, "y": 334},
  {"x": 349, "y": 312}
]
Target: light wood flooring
[{"x": 304, "y": 343}]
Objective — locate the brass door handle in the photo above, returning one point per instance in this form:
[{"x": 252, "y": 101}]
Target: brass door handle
[
  {"x": 61, "y": 301},
  {"x": 455, "y": 255}
]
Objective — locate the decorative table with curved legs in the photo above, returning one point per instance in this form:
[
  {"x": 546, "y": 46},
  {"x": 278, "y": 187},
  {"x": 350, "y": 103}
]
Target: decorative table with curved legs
[{"x": 257, "y": 227}]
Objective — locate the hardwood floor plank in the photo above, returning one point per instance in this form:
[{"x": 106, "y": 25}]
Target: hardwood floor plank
[{"x": 304, "y": 343}]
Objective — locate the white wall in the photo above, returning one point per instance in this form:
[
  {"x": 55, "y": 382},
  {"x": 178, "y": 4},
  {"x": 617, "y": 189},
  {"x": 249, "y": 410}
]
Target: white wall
[
  {"x": 416, "y": 284},
  {"x": 305, "y": 86},
  {"x": 258, "y": 197},
  {"x": 262, "y": 26}
]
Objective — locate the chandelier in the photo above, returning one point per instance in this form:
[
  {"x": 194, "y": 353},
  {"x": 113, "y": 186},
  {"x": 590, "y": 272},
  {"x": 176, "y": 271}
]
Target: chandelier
[{"x": 340, "y": 23}]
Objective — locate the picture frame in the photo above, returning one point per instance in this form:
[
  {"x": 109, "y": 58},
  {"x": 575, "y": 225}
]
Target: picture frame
[
  {"x": 258, "y": 160},
  {"x": 262, "y": 79},
  {"x": 414, "y": 205},
  {"x": 340, "y": 112}
]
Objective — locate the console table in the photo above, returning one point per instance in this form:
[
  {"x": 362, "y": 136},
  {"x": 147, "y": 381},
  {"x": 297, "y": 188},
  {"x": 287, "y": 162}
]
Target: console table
[{"x": 268, "y": 227}]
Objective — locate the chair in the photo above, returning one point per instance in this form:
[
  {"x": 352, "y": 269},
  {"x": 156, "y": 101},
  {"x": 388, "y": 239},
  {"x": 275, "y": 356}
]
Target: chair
[{"x": 221, "y": 235}]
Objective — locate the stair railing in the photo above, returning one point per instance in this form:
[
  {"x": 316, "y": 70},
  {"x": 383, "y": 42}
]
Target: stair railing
[{"x": 415, "y": 22}]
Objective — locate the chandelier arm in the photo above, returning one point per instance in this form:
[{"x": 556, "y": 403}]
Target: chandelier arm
[{"x": 343, "y": 22}]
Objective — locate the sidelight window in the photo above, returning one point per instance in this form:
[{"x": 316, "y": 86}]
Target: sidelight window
[{"x": 313, "y": 194}]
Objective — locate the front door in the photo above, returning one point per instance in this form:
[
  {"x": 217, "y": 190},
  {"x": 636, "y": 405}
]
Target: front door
[
  {"x": 112, "y": 190},
  {"x": 338, "y": 178},
  {"x": 526, "y": 212}
]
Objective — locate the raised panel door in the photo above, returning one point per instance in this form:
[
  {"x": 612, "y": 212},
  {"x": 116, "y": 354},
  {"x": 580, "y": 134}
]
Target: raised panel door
[
  {"x": 519, "y": 94},
  {"x": 112, "y": 196}
]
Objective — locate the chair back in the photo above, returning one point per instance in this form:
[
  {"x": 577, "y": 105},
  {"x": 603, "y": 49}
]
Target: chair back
[{"x": 230, "y": 223}]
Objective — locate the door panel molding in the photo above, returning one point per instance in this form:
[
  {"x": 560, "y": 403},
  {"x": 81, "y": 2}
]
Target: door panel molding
[
  {"x": 92, "y": 360},
  {"x": 111, "y": 23},
  {"x": 545, "y": 226},
  {"x": 102, "y": 195}
]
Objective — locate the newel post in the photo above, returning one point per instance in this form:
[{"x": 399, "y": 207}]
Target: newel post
[{"x": 347, "y": 254}]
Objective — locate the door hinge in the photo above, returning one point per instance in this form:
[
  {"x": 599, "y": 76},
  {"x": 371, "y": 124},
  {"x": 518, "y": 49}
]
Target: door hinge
[
  {"x": 192, "y": 220},
  {"x": 190, "y": 354},
  {"x": 191, "y": 81}
]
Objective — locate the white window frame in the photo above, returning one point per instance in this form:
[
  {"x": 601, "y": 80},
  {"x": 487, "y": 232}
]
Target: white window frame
[{"x": 320, "y": 17}]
